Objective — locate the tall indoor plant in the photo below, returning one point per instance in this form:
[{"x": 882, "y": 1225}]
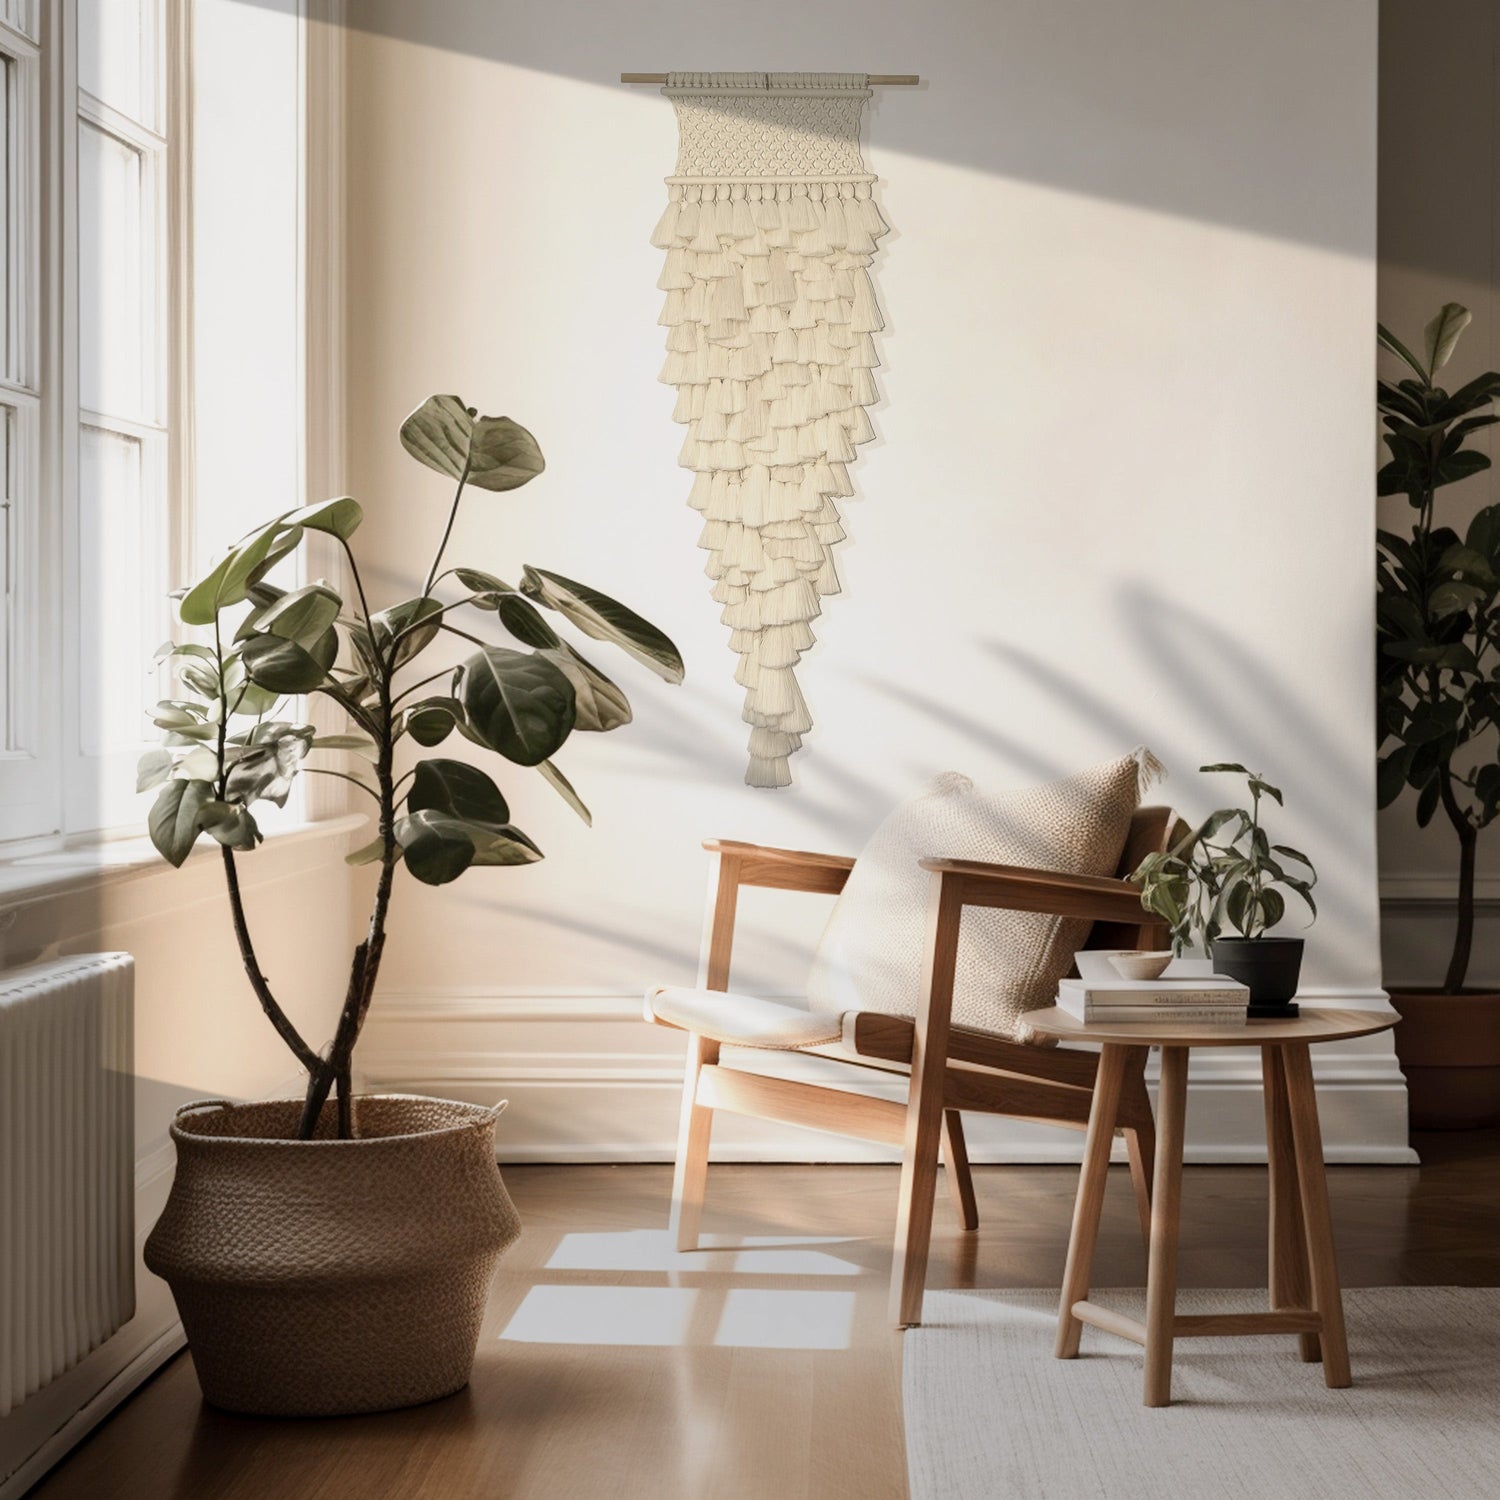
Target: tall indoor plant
[
  {"x": 1438, "y": 629},
  {"x": 351, "y": 1236}
]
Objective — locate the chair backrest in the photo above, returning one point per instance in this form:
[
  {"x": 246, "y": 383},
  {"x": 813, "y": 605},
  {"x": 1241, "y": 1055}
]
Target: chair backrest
[{"x": 1153, "y": 830}]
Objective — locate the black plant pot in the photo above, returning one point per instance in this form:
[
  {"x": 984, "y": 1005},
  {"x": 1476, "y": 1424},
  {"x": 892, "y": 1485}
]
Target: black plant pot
[{"x": 1268, "y": 966}]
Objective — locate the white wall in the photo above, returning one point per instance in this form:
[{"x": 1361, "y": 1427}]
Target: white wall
[
  {"x": 1439, "y": 185},
  {"x": 1121, "y": 492}
]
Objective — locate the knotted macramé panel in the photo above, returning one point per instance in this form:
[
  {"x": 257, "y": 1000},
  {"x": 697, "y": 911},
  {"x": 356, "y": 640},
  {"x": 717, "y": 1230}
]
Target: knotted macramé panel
[{"x": 768, "y": 234}]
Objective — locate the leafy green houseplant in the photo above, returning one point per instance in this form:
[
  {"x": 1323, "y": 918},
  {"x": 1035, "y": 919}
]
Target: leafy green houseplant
[
  {"x": 229, "y": 744},
  {"x": 1438, "y": 694},
  {"x": 322, "y": 1262},
  {"x": 1221, "y": 885},
  {"x": 1439, "y": 611}
]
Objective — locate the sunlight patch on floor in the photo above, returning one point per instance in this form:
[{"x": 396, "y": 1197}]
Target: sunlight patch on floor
[
  {"x": 658, "y": 1317},
  {"x": 653, "y": 1250}
]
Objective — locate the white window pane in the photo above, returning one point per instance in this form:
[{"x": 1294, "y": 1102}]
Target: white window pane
[
  {"x": 22, "y": 15},
  {"x": 110, "y": 55},
  {"x": 10, "y": 521},
  {"x": 112, "y": 281},
  {"x": 114, "y": 534}
]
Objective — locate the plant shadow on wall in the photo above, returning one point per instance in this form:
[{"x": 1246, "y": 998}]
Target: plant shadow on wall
[{"x": 1212, "y": 694}]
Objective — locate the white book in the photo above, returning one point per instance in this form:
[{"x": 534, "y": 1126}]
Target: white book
[
  {"x": 1215, "y": 1015},
  {"x": 1208, "y": 990}
]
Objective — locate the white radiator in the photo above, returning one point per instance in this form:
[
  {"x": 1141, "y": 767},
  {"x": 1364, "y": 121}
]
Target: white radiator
[{"x": 67, "y": 1165}]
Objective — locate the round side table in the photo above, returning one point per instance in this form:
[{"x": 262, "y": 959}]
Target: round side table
[{"x": 1304, "y": 1283}]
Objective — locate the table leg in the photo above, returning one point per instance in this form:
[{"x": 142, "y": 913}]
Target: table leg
[
  {"x": 1091, "y": 1180},
  {"x": 1323, "y": 1267},
  {"x": 1288, "y": 1281},
  {"x": 1166, "y": 1211}
]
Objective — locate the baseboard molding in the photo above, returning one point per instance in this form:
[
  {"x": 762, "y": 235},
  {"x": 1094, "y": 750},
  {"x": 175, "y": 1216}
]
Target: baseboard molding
[
  {"x": 1419, "y": 892},
  {"x": 587, "y": 1081}
]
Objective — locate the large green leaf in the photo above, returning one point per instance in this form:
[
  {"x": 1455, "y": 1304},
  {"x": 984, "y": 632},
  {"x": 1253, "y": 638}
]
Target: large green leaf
[
  {"x": 432, "y": 720},
  {"x": 518, "y": 704},
  {"x": 240, "y": 568},
  {"x": 1388, "y": 340},
  {"x": 153, "y": 768},
  {"x": 267, "y": 769},
  {"x": 413, "y": 626},
  {"x": 601, "y": 706},
  {"x": 564, "y": 789},
  {"x": 439, "y": 847},
  {"x": 605, "y": 619},
  {"x": 338, "y": 518},
  {"x": 282, "y": 666},
  {"x": 173, "y": 822},
  {"x": 230, "y": 823},
  {"x": 494, "y": 452},
  {"x": 455, "y": 787},
  {"x": 1442, "y": 333},
  {"x": 303, "y": 615}
]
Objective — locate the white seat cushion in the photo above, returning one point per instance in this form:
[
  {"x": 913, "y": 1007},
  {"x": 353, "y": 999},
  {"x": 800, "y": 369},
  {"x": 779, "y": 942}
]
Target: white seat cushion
[
  {"x": 743, "y": 1020},
  {"x": 872, "y": 951}
]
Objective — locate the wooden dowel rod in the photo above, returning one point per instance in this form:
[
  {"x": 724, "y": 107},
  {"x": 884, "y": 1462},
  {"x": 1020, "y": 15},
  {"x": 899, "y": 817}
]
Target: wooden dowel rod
[{"x": 882, "y": 80}]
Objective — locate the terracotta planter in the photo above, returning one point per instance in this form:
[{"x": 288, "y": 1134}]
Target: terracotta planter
[
  {"x": 1449, "y": 1049},
  {"x": 325, "y": 1277}
]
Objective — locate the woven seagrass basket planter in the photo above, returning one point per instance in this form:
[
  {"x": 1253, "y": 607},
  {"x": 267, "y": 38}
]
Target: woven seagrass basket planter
[{"x": 327, "y": 1277}]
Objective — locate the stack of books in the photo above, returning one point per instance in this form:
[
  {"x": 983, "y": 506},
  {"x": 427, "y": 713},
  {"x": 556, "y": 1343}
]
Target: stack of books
[{"x": 1211, "y": 1000}]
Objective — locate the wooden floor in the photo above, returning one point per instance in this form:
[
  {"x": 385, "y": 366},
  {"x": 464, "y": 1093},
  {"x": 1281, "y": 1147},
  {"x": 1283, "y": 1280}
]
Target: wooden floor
[{"x": 610, "y": 1367}]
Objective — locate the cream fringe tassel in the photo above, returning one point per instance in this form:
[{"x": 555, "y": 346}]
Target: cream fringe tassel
[{"x": 770, "y": 313}]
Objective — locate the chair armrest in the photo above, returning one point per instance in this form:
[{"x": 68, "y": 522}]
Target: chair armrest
[
  {"x": 1097, "y": 898},
  {"x": 782, "y": 869}
]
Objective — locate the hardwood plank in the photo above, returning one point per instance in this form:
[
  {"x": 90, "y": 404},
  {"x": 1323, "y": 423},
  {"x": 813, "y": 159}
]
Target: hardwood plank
[{"x": 1437, "y": 1224}]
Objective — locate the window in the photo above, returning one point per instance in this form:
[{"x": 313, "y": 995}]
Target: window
[
  {"x": 132, "y": 131},
  {"x": 86, "y": 323}
]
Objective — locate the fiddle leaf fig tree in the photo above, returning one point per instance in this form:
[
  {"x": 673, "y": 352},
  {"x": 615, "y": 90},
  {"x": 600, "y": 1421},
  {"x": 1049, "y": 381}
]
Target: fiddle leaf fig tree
[
  {"x": 230, "y": 738},
  {"x": 1438, "y": 610}
]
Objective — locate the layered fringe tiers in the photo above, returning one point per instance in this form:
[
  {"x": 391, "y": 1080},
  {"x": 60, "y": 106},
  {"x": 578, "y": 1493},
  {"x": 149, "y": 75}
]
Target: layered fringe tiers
[{"x": 770, "y": 311}]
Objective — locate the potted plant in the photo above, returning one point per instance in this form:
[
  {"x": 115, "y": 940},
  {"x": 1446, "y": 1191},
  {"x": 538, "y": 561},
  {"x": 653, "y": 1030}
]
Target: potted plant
[
  {"x": 329, "y": 1255},
  {"x": 1224, "y": 872},
  {"x": 1438, "y": 630}
]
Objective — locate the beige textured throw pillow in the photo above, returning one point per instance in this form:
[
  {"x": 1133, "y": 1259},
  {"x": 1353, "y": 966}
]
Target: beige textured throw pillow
[{"x": 871, "y": 953}]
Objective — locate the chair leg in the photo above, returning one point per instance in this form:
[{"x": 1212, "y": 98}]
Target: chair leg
[
  {"x": 960, "y": 1179},
  {"x": 919, "y": 1164},
  {"x": 690, "y": 1175}
]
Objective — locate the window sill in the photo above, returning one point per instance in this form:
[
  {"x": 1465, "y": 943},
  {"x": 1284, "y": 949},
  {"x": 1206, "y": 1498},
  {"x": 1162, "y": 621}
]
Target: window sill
[{"x": 105, "y": 861}]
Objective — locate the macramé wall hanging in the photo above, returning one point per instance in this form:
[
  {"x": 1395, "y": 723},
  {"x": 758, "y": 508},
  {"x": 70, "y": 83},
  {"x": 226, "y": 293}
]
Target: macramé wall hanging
[{"x": 769, "y": 233}]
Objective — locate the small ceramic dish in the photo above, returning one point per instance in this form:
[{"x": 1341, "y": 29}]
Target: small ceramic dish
[{"x": 1140, "y": 964}]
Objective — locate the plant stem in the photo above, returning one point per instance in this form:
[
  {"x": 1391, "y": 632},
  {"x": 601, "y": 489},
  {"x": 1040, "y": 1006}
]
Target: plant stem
[
  {"x": 368, "y": 790},
  {"x": 1463, "y": 933},
  {"x": 274, "y": 1013},
  {"x": 458, "y": 495}
]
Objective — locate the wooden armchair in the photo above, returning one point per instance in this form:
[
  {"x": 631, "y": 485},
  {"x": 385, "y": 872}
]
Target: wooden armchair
[{"x": 951, "y": 1068}]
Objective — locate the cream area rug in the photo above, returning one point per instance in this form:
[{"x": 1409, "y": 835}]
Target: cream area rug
[{"x": 991, "y": 1415}]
